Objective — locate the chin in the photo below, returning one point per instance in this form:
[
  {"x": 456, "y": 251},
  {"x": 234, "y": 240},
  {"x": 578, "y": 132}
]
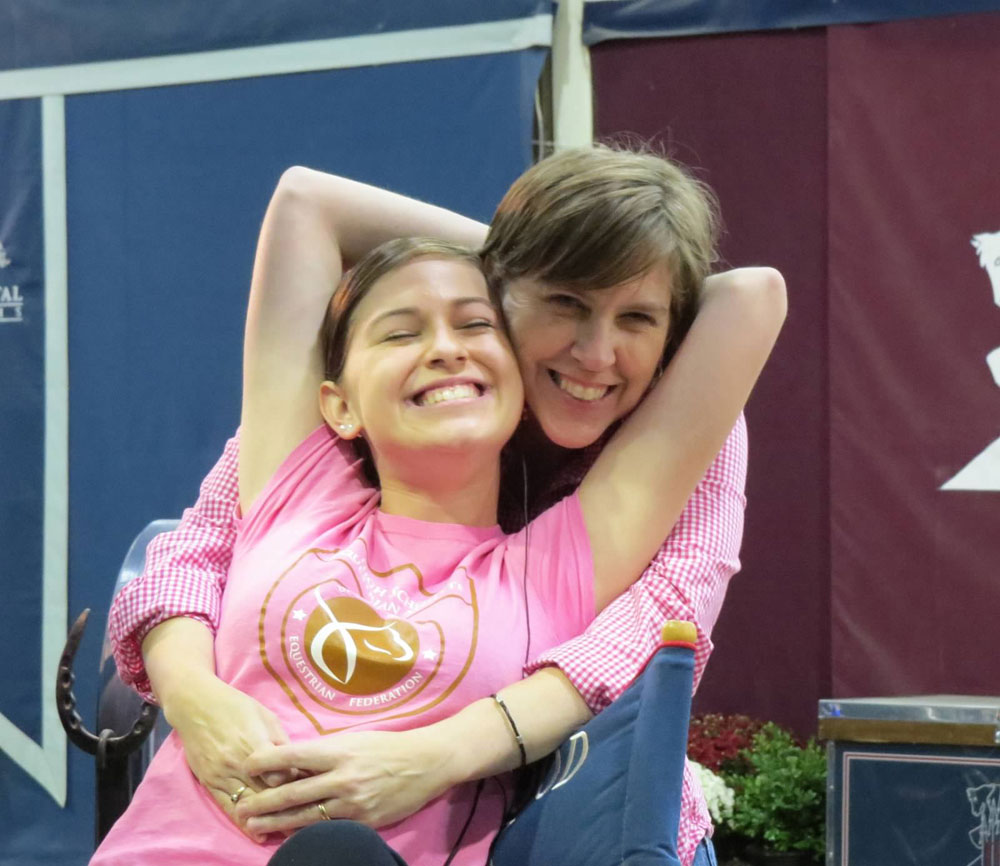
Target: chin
[
  {"x": 572, "y": 438},
  {"x": 575, "y": 429},
  {"x": 467, "y": 441}
]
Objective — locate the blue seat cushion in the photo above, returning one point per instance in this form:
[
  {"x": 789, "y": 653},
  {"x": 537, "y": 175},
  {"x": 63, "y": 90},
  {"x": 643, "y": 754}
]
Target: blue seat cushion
[{"x": 612, "y": 792}]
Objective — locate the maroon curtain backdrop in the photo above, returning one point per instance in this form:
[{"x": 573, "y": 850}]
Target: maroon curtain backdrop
[
  {"x": 914, "y": 175},
  {"x": 750, "y": 112},
  {"x": 859, "y": 160}
]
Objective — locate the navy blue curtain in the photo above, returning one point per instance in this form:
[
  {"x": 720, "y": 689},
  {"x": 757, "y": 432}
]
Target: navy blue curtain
[
  {"x": 166, "y": 188},
  {"x": 22, "y": 410},
  {"x": 34, "y": 34}
]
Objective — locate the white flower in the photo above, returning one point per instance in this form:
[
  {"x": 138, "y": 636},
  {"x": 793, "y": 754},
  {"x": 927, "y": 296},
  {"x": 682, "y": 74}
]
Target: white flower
[{"x": 718, "y": 795}]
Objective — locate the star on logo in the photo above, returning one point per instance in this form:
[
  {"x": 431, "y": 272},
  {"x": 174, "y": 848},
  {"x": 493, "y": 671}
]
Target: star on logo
[
  {"x": 298, "y": 615},
  {"x": 429, "y": 654},
  {"x": 4, "y": 261}
]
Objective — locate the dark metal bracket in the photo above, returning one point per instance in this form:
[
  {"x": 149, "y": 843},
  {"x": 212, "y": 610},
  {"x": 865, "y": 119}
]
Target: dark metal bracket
[{"x": 107, "y": 745}]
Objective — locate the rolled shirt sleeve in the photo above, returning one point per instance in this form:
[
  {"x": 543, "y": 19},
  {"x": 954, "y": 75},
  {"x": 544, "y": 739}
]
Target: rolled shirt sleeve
[{"x": 185, "y": 571}]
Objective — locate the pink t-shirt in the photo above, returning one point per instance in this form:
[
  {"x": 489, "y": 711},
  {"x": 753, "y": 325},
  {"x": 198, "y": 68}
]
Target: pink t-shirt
[{"x": 339, "y": 617}]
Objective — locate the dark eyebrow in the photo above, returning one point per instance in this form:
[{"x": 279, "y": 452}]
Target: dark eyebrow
[
  {"x": 388, "y": 314},
  {"x": 649, "y": 307},
  {"x": 415, "y": 311},
  {"x": 474, "y": 299}
]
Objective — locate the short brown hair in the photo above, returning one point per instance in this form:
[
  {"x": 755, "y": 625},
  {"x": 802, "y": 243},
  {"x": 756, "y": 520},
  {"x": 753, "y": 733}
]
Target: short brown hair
[
  {"x": 357, "y": 282},
  {"x": 591, "y": 218}
]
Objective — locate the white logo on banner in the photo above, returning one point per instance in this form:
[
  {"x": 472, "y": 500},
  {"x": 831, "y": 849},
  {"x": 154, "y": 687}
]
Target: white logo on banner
[
  {"x": 984, "y": 801},
  {"x": 983, "y": 472},
  {"x": 11, "y": 302}
]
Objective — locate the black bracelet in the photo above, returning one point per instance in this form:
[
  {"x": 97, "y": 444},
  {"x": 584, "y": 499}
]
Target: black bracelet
[{"x": 513, "y": 728}]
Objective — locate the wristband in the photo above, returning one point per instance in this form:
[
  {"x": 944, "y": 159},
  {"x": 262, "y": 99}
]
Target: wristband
[{"x": 513, "y": 728}]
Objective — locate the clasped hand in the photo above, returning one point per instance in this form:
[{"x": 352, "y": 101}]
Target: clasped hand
[
  {"x": 220, "y": 727},
  {"x": 374, "y": 777}
]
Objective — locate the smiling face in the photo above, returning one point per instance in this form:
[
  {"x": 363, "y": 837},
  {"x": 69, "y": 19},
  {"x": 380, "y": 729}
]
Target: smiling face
[
  {"x": 571, "y": 226},
  {"x": 427, "y": 366},
  {"x": 587, "y": 357}
]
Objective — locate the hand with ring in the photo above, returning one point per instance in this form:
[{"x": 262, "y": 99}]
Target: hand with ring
[
  {"x": 374, "y": 777},
  {"x": 219, "y": 727}
]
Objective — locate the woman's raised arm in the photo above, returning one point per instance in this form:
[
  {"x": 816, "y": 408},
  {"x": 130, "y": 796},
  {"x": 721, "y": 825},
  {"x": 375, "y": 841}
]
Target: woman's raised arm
[{"x": 316, "y": 225}]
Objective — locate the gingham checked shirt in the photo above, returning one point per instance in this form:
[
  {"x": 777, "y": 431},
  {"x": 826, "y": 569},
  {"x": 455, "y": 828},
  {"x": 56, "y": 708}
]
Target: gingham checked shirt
[{"x": 186, "y": 572}]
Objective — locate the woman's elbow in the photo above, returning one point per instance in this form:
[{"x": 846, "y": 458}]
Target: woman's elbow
[
  {"x": 764, "y": 286},
  {"x": 763, "y": 297},
  {"x": 294, "y": 187}
]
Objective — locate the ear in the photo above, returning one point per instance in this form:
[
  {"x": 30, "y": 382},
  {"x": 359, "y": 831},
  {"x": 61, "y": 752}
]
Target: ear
[{"x": 337, "y": 411}]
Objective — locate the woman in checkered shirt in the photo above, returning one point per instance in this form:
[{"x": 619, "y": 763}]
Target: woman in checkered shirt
[{"x": 574, "y": 234}]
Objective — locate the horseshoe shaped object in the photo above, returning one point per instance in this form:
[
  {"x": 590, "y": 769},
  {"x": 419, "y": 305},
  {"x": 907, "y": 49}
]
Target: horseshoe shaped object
[{"x": 108, "y": 744}]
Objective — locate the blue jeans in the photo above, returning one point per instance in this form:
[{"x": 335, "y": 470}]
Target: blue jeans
[{"x": 705, "y": 854}]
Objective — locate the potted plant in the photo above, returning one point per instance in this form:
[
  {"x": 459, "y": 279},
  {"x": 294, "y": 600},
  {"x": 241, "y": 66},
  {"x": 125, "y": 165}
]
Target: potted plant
[
  {"x": 777, "y": 785},
  {"x": 781, "y": 802}
]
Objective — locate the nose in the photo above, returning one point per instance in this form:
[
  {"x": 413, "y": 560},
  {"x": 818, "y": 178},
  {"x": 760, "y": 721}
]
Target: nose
[
  {"x": 446, "y": 348},
  {"x": 594, "y": 346}
]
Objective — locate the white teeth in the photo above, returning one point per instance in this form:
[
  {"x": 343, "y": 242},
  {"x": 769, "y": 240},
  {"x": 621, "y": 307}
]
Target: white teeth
[
  {"x": 444, "y": 395},
  {"x": 581, "y": 392}
]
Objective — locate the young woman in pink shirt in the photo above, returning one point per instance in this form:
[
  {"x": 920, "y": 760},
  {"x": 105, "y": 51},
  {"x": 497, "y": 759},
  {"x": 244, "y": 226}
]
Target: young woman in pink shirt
[{"x": 587, "y": 358}]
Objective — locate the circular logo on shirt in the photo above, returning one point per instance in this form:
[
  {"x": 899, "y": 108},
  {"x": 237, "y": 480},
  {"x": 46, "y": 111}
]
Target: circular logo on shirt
[
  {"x": 354, "y": 649},
  {"x": 348, "y": 644}
]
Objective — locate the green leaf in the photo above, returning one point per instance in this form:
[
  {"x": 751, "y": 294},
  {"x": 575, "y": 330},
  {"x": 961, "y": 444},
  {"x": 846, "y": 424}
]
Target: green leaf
[{"x": 782, "y": 801}]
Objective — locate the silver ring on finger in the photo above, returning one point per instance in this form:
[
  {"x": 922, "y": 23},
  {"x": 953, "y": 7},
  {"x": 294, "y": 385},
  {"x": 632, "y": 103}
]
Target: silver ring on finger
[
  {"x": 235, "y": 797},
  {"x": 323, "y": 812}
]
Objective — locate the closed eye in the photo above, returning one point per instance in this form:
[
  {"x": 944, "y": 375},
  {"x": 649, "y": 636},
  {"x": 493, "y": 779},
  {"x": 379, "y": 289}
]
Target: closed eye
[
  {"x": 478, "y": 324},
  {"x": 636, "y": 318},
  {"x": 567, "y": 302},
  {"x": 397, "y": 336}
]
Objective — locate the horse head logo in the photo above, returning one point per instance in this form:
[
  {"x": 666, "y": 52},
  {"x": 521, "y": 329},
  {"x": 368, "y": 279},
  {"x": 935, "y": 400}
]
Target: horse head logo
[
  {"x": 983, "y": 471},
  {"x": 988, "y": 247},
  {"x": 984, "y": 801}
]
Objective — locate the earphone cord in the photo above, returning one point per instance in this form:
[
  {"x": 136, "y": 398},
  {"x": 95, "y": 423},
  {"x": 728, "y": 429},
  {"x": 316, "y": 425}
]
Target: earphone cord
[
  {"x": 468, "y": 821},
  {"x": 505, "y": 816},
  {"x": 524, "y": 577}
]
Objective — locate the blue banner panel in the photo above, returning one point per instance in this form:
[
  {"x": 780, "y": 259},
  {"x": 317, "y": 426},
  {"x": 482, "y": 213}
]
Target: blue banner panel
[
  {"x": 22, "y": 415},
  {"x": 58, "y": 32},
  {"x": 166, "y": 188},
  {"x": 634, "y": 19},
  {"x": 923, "y": 805}
]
